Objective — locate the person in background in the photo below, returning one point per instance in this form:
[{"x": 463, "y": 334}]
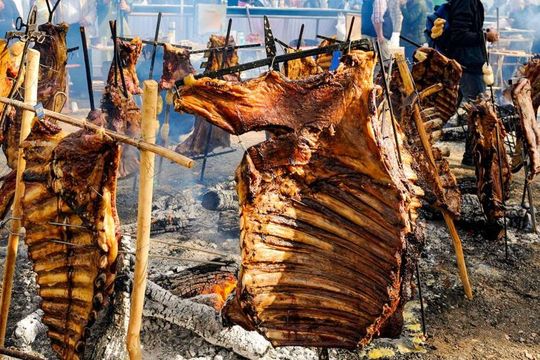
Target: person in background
[
  {"x": 467, "y": 46},
  {"x": 109, "y": 10},
  {"x": 8, "y": 14},
  {"x": 377, "y": 24},
  {"x": 77, "y": 13},
  {"x": 413, "y": 25}
]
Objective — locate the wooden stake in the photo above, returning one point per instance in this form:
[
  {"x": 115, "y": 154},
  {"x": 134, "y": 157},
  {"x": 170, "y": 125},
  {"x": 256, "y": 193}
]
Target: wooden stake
[
  {"x": 408, "y": 86},
  {"x": 139, "y": 144},
  {"x": 146, "y": 188},
  {"x": 30, "y": 96}
]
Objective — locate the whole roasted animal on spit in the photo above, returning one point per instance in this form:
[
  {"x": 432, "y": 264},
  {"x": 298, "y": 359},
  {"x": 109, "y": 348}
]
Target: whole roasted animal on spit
[
  {"x": 72, "y": 227},
  {"x": 493, "y": 172},
  {"x": 119, "y": 112},
  {"x": 528, "y": 130},
  {"x": 195, "y": 144},
  {"x": 52, "y": 81},
  {"x": 327, "y": 211},
  {"x": 436, "y": 79},
  {"x": 531, "y": 71}
]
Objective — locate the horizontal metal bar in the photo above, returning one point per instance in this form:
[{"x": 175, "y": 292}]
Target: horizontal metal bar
[
  {"x": 362, "y": 44},
  {"x": 158, "y": 43},
  {"x": 230, "y": 47}
]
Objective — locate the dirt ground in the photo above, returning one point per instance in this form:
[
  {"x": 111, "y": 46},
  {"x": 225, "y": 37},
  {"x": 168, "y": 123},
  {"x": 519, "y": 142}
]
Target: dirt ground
[{"x": 501, "y": 322}]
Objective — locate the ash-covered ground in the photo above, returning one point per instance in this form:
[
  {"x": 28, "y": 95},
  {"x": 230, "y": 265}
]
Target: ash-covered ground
[{"x": 501, "y": 322}]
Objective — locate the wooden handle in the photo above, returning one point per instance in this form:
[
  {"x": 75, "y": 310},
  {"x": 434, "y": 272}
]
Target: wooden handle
[
  {"x": 30, "y": 97},
  {"x": 146, "y": 188},
  {"x": 140, "y": 144}
]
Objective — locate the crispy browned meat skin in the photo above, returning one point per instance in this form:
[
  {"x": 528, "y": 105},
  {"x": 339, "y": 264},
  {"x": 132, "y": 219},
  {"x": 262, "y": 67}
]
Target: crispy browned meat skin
[
  {"x": 528, "y": 126},
  {"x": 436, "y": 111},
  {"x": 482, "y": 124},
  {"x": 119, "y": 113},
  {"x": 195, "y": 144},
  {"x": 52, "y": 79},
  {"x": 301, "y": 68},
  {"x": 176, "y": 66},
  {"x": 325, "y": 208},
  {"x": 7, "y": 71},
  {"x": 531, "y": 71},
  {"x": 71, "y": 179}
]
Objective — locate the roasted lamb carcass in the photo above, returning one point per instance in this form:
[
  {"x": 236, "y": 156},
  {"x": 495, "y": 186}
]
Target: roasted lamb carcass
[
  {"x": 52, "y": 80},
  {"x": 301, "y": 68},
  {"x": 118, "y": 111},
  {"x": 528, "y": 130},
  {"x": 327, "y": 212},
  {"x": 176, "y": 66},
  {"x": 531, "y": 71},
  {"x": 71, "y": 229},
  {"x": 493, "y": 173},
  {"x": 195, "y": 144},
  {"x": 437, "y": 80}
]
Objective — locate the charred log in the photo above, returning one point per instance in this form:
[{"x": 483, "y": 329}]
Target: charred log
[{"x": 326, "y": 210}]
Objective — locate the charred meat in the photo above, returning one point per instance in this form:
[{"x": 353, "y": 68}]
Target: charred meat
[
  {"x": 326, "y": 209},
  {"x": 176, "y": 66}
]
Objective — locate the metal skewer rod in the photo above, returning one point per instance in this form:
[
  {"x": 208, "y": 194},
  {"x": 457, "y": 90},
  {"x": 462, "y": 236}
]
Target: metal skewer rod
[
  {"x": 158, "y": 43},
  {"x": 210, "y": 128},
  {"x": 117, "y": 60},
  {"x": 300, "y": 37},
  {"x": 154, "y": 50},
  {"x": 87, "y": 68}
]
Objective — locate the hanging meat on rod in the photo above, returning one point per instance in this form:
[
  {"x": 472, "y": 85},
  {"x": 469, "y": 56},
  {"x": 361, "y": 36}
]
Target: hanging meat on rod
[
  {"x": 528, "y": 131},
  {"x": 327, "y": 213},
  {"x": 195, "y": 144},
  {"x": 531, "y": 71},
  {"x": 52, "y": 80},
  {"x": 491, "y": 162},
  {"x": 118, "y": 111},
  {"x": 437, "y": 80},
  {"x": 176, "y": 66},
  {"x": 301, "y": 68}
]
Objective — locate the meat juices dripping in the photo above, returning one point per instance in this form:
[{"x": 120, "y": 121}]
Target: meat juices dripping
[
  {"x": 52, "y": 80},
  {"x": 482, "y": 125},
  {"x": 327, "y": 213},
  {"x": 176, "y": 66},
  {"x": 528, "y": 131},
  {"x": 431, "y": 68},
  {"x": 120, "y": 113},
  {"x": 195, "y": 144}
]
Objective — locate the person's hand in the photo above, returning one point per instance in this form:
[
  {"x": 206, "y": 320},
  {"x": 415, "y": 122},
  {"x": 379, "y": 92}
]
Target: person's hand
[
  {"x": 381, "y": 39},
  {"x": 492, "y": 35},
  {"x": 124, "y": 6}
]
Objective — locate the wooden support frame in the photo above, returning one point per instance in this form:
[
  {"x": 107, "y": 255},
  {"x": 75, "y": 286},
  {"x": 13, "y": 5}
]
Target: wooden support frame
[
  {"x": 146, "y": 188},
  {"x": 409, "y": 88},
  {"x": 30, "y": 96}
]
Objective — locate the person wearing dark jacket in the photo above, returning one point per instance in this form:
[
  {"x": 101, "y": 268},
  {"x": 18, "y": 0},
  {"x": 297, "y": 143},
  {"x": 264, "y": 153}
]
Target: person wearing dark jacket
[
  {"x": 467, "y": 46},
  {"x": 414, "y": 22}
]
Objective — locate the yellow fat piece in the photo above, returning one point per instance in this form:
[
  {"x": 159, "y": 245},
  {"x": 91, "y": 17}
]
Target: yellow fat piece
[{"x": 159, "y": 105}]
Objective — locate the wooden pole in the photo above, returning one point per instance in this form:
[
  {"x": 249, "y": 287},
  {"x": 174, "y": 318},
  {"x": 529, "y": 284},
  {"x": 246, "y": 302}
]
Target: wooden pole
[
  {"x": 408, "y": 86},
  {"x": 146, "y": 188},
  {"x": 140, "y": 144},
  {"x": 30, "y": 96}
]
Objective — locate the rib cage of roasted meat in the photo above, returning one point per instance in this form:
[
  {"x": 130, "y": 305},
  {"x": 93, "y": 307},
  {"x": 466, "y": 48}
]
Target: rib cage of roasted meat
[
  {"x": 121, "y": 113},
  {"x": 483, "y": 123},
  {"x": 326, "y": 211},
  {"x": 195, "y": 144},
  {"x": 71, "y": 181},
  {"x": 431, "y": 68},
  {"x": 531, "y": 71},
  {"x": 52, "y": 80},
  {"x": 528, "y": 129},
  {"x": 176, "y": 66}
]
